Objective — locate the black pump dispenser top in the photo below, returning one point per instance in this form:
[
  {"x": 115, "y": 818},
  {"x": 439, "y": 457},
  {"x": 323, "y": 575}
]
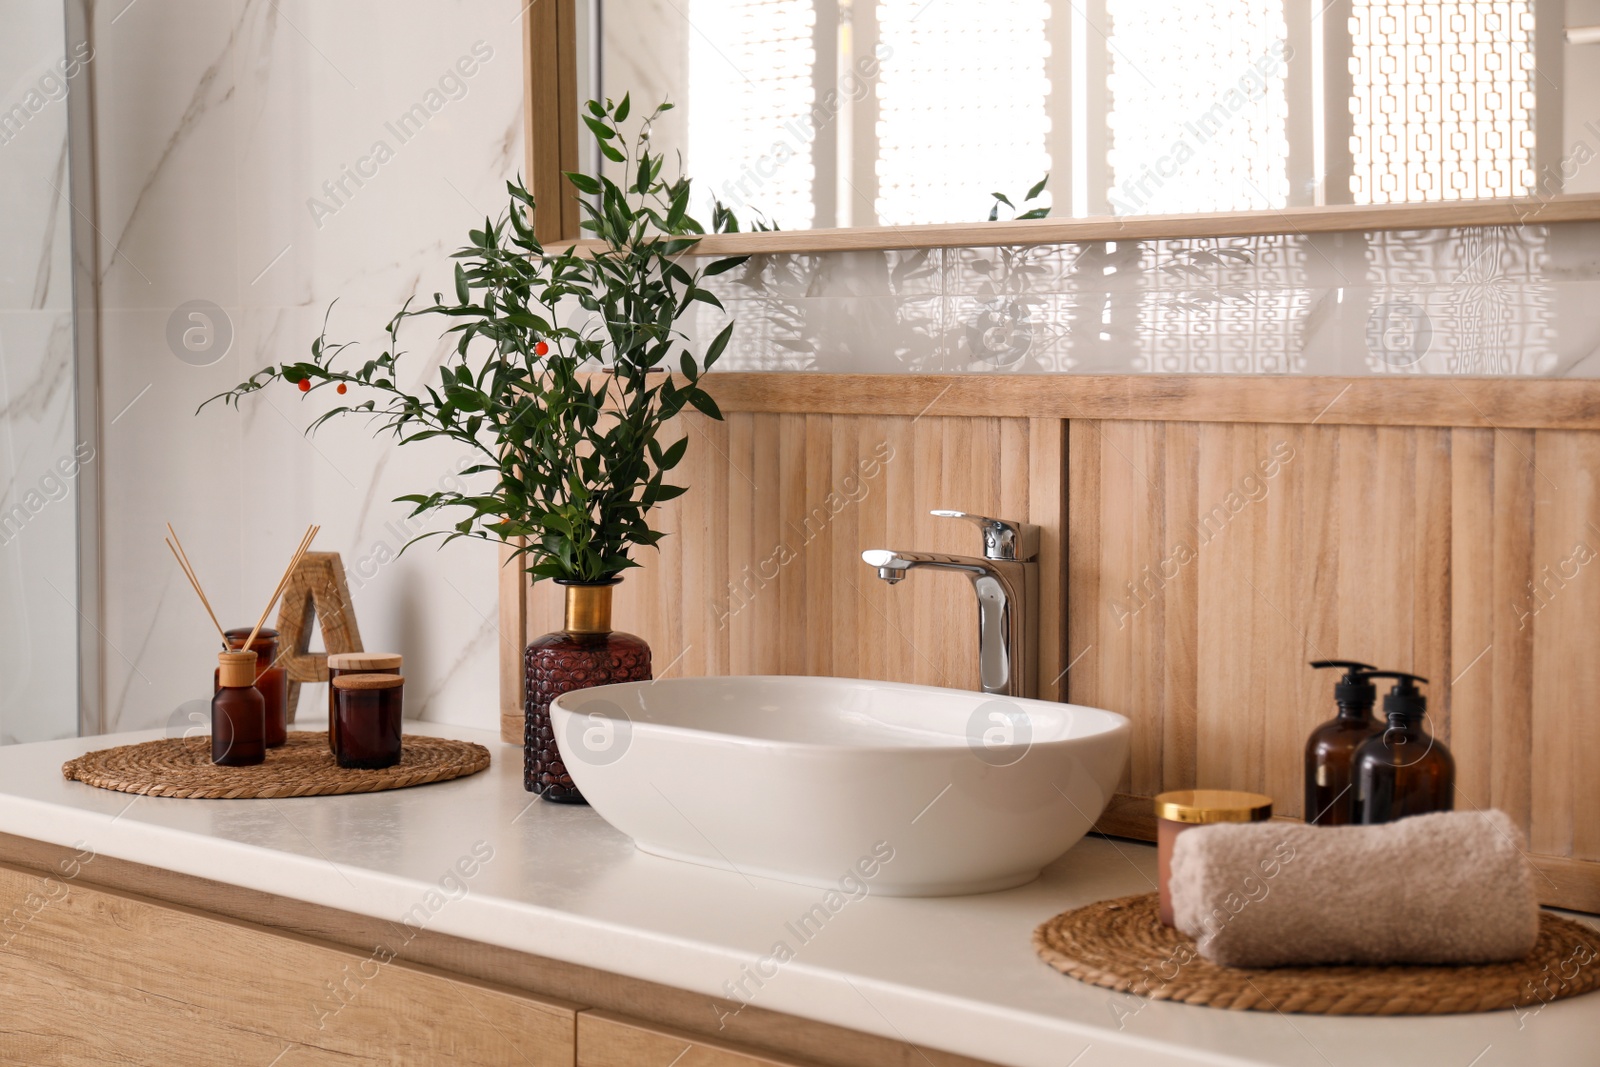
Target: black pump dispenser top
[
  {"x": 1405, "y": 701},
  {"x": 1353, "y": 690}
]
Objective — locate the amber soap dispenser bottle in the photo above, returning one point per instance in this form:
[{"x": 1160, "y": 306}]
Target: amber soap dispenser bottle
[
  {"x": 1404, "y": 770},
  {"x": 1332, "y": 746}
]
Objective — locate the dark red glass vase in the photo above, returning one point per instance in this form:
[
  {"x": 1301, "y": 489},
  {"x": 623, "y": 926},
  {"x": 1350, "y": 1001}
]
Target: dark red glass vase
[{"x": 586, "y": 653}]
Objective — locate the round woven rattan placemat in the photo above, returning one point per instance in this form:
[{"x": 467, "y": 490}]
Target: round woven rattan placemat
[
  {"x": 182, "y": 767},
  {"x": 1121, "y": 945}
]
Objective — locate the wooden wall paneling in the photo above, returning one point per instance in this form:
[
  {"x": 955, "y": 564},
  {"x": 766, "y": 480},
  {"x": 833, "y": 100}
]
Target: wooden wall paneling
[
  {"x": 690, "y": 581},
  {"x": 1310, "y": 524},
  {"x": 1582, "y": 616},
  {"x": 850, "y": 481},
  {"x": 1279, "y": 675},
  {"x": 1046, "y": 487},
  {"x": 1365, "y": 630},
  {"x": 95, "y": 974},
  {"x": 1180, "y": 604},
  {"x": 867, "y": 594},
  {"x": 1433, "y": 609},
  {"x": 1565, "y": 680},
  {"x": 1474, "y": 607},
  {"x": 1448, "y": 402},
  {"x": 1511, "y": 657},
  {"x": 793, "y": 637},
  {"x": 1131, "y": 617},
  {"x": 1230, "y": 714},
  {"x": 740, "y": 561},
  {"x": 1086, "y": 598},
  {"x": 1302, "y": 542},
  {"x": 513, "y": 631},
  {"x": 764, "y": 561},
  {"x": 937, "y": 602},
  {"x": 712, "y": 467},
  {"x": 816, "y": 536}
]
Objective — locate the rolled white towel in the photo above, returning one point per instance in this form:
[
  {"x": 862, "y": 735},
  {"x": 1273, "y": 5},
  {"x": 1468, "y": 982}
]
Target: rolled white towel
[{"x": 1452, "y": 887}]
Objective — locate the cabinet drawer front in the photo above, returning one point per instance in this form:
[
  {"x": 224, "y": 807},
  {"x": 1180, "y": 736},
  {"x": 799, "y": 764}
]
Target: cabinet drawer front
[
  {"x": 94, "y": 977},
  {"x": 606, "y": 1040}
]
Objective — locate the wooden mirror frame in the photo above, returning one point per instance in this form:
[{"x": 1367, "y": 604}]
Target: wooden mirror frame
[{"x": 551, "y": 122}]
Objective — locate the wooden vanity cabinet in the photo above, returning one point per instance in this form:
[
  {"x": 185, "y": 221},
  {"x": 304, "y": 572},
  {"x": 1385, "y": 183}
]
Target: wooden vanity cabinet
[
  {"x": 607, "y": 1040},
  {"x": 92, "y": 977},
  {"x": 108, "y": 962}
]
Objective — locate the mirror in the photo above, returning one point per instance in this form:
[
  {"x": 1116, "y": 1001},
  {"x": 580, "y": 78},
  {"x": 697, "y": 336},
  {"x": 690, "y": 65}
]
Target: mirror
[{"x": 849, "y": 113}]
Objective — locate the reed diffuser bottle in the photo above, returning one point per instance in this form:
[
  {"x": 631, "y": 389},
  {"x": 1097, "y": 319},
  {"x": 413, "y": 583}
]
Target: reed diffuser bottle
[
  {"x": 585, "y": 652},
  {"x": 238, "y": 712},
  {"x": 272, "y": 681}
]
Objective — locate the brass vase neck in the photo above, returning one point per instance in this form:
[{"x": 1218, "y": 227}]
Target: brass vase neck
[{"x": 588, "y": 609}]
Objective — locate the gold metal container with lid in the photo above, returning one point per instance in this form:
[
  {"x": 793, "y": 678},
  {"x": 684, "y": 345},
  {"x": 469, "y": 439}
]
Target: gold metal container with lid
[{"x": 1185, "y": 809}]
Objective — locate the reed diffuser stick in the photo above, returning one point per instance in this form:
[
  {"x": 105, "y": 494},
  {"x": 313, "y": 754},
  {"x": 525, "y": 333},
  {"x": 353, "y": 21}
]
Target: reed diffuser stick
[
  {"x": 299, "y": 554},
  {"x": 194, "y": 580}
]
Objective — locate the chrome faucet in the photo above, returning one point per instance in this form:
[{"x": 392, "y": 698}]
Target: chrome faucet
[{"x": 1006, "y": 580}]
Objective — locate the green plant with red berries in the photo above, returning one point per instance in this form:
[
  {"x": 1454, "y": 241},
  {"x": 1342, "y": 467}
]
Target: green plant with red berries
[{"x": 571, "y": 460}]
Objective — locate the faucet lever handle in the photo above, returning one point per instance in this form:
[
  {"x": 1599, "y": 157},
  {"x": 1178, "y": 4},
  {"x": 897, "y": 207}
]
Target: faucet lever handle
[{"x": 1002, "y": 538}]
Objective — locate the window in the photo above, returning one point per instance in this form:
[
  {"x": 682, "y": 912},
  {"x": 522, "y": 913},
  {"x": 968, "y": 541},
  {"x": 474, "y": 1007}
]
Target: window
[
  {"x": 961, "y": 106},
  {"x": 1443, "y": 101},
  {"x": 1197, "y": 112},
  {"x": 750, "y": 96}
]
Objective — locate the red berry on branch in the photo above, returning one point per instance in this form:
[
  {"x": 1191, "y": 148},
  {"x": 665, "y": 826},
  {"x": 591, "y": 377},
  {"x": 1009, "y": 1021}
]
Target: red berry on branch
[
  {"x": 305, "y": 385},
  {"x": 541, "y": 348},
  {"x": 342, "y": 389}
]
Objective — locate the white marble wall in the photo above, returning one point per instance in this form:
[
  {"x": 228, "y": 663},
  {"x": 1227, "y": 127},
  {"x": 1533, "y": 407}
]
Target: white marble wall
[
  {"x": 38, "y": 583},
  {"x": 218, "y": 125}
]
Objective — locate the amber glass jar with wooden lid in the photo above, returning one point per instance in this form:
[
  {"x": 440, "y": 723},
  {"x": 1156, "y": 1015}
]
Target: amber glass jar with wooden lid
[
  {"x": 369, "y": 709},
  {"x": 355, "y": 663},
  {"x": 1185, "y": 809}
]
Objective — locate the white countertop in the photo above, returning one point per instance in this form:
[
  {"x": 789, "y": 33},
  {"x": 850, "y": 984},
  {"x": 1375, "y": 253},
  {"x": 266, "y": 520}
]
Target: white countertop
[{"x": 956, "y": 973}]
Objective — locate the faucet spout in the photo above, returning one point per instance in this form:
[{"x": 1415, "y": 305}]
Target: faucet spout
[
  {"x": 894, "y": 565},
  {"x": 1007, "y": 594}
]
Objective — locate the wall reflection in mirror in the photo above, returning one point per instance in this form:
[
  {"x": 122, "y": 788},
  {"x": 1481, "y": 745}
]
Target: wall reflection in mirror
[{"x": 824, "y": 113}]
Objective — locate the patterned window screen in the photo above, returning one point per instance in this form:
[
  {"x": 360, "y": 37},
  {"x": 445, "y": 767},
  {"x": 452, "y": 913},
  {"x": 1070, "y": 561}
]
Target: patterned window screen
[
  {"x": 961, "y": 101},
  {"x": 750, "y": 99},
  {"x": 1443, "y": 100},
  {"x": 1197, "y": 113}
]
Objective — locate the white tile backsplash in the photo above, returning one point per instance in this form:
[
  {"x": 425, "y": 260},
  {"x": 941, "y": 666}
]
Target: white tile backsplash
[{"x": 1521, "y": 301}]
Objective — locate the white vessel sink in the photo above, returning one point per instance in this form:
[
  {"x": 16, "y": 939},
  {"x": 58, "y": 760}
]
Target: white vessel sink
[{"x": 905, "y": 790}]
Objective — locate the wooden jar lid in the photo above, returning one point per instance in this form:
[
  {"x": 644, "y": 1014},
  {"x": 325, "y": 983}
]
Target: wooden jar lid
[
  {"x": 368, "y": 681},
  {"x": 364, "y": 661},
  {"x": 236, "y": 670}
]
